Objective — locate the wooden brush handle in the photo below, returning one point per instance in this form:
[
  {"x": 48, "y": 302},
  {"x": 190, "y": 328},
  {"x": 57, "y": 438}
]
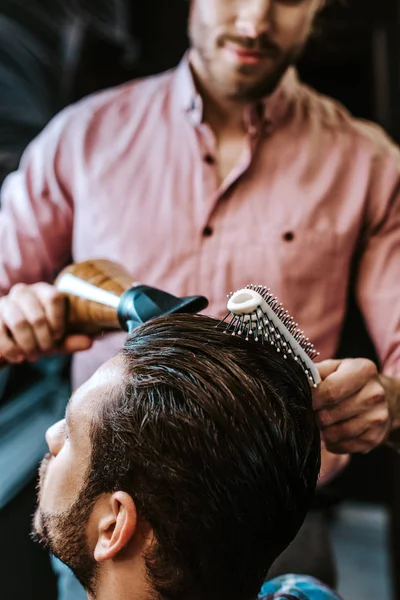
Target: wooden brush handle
[{"x": 85, "y": 315}]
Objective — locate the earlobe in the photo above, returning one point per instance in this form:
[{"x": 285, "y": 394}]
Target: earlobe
[{"x": 116, "y": 526}]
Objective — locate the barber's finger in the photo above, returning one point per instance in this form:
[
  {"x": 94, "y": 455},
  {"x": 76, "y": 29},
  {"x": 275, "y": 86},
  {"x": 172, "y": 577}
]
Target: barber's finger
[
  {"x": 375, "y": 422},
  {"x": 353, "y": 446},
  {"x": 361, "y": 445},
  {"x": 343, "y": 432},
  {"x": 9, "y": 350},
  {"x": 76, "y": 343},
  {"x": 351, "y": 375},
  {"x": 369, "y": 440},
  {"x": 369, "y": 396},
  {"x": 327, "y": 367},
  {"x": 19, "y": 328},
  {"x": 349, "y": 378},
  {"x": 70, "y": 345},
  {"x": 36, "y": 316},
  {"x": 54, "y": 305}
]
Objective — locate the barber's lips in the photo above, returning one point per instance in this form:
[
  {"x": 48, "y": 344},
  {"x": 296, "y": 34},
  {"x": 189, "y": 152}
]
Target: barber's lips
[{"x": 244, "y": 56}]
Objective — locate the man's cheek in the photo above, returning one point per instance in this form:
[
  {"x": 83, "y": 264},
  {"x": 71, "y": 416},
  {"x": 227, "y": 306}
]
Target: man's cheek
[{"x": 58, "y": 489}]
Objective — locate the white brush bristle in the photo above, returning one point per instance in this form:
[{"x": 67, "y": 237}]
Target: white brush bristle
[{"x": 255, "y": 312}]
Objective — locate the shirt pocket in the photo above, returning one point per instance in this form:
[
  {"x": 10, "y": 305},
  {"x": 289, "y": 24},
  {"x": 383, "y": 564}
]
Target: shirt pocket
[
  {"x": 307, "y": 269},
  {"x": 313, "y": 271}
]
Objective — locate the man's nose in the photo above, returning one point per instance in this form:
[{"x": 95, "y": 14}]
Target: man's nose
[
  {"x": 55, "y": 437},
  {"x": 253, "y": 18}
]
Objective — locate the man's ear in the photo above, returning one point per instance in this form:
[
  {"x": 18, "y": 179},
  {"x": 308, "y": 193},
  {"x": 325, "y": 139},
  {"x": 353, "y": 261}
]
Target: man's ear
[{"x": 116, "y": 526}]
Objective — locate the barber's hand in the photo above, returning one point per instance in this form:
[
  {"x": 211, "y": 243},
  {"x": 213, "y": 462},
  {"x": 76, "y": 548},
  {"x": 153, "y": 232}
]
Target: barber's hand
[
  {"x": 32, "y": 324},
  {"x": 331, "y": 466},
  {"x": 351, "y": 405}
]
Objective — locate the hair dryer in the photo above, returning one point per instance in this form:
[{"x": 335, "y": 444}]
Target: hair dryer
[{"x": 101, "y": 296}]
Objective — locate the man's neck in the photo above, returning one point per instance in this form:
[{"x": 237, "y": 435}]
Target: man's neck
[
  {"x": 219, "y": 113},
  {"x": 125, "y": 582},
  {"x": 117, "y": 593}
]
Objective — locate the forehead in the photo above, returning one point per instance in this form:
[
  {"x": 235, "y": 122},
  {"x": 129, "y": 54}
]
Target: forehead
[{"x": 88, "y": 399}]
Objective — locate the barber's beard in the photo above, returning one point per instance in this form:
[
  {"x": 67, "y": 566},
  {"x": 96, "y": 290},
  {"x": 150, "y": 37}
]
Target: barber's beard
[
  {"x": 263, "y": 88},
  {"x": 246, "y": 91},
  {"x": 64, "y": 535},
  {"x": 259, "y": 89}
]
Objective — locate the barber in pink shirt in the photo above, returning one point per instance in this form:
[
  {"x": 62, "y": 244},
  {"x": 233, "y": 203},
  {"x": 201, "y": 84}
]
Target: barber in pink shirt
[{"x": 222, "y": 172}]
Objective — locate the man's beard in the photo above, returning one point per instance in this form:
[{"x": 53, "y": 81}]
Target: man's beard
[
  {"x": 64, "y": 535},
  {"x": 247, "y": 92}
]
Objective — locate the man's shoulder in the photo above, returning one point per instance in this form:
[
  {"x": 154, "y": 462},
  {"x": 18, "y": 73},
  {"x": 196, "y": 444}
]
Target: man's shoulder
[
  {"x": 134, "y": 95},
  {"x": 94, "y": 125},
  {"x": 334, "y": 119}
]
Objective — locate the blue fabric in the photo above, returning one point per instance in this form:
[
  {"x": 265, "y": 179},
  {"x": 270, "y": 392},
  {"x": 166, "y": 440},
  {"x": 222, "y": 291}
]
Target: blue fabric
[
  {"x": 69, "y": 587},
  {"x": 296, "y": 587}
]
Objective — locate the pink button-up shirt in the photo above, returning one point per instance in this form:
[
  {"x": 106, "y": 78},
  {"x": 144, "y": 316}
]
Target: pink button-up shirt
[{"x": 126, "y": 175}]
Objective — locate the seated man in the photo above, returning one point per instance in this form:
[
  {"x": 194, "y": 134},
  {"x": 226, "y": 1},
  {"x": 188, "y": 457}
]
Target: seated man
[{"x": 183, "y": 467}]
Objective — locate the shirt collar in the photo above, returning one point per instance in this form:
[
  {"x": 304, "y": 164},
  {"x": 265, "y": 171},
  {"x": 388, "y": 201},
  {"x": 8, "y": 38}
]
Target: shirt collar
[{"x": 269, "y": 111}]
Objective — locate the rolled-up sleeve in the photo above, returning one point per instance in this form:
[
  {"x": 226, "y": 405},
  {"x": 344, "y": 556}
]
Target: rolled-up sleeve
[
  {"x": 378, "y": 277},
  {"x": 36, "y": 215}
]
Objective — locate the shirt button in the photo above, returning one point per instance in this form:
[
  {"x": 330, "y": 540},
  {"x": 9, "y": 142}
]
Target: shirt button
[
  {"x": 207, "y": 231},
  {"x": 288, "y": 236},
  {"x": 209, "y": 159}
]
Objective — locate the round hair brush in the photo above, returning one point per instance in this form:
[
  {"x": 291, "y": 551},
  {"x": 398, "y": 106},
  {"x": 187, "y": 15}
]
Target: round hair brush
[
  {"x": 256, "y": 313},
  {"x": 101, "y": 296}
]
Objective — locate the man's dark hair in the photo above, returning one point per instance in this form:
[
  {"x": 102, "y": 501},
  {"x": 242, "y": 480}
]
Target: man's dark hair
[{"x": 215, "y": 439}]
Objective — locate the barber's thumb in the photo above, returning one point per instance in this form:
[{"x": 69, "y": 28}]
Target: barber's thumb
[
  {"x": 327, "y": 367},
  {"x": 76, "y": 343}
]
